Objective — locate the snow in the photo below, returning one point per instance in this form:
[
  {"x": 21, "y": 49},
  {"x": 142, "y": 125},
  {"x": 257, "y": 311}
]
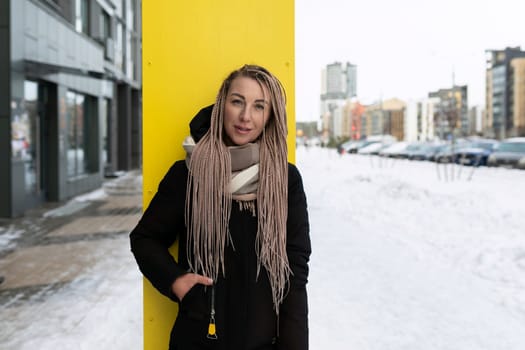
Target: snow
[
  {"x": 402, "y": 259},
  {"x": 100, "y": 310},
  {"x": 8, "y": 237}
]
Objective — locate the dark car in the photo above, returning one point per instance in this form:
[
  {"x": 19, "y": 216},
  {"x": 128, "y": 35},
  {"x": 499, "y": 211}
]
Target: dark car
[
  {"x": 475, "y": 152},
  {"x": 448, "y": 153},
  {"x": 509, "y": 153}
]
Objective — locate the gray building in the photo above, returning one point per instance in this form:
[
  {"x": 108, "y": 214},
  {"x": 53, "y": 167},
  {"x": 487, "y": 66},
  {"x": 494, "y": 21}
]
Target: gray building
[
  {"x": 501, "y": 101},
  {"x": 451, "y": 111},
  {"x": 339, "y": 81},
  {"x": 70, "y": 97},
  {"x": 338, "y": 84}
]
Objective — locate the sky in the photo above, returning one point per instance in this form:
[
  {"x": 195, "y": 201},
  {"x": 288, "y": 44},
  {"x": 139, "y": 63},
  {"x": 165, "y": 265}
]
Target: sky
[
  {"x": 401, "y": 260},
  {"x": 403, "y": 48}
]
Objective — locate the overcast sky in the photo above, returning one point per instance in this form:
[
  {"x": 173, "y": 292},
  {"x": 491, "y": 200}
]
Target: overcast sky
[{"x": 402, "y": 48}]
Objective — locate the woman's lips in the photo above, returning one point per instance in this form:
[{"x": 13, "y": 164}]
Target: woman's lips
[{"x": 242, "y": 130}]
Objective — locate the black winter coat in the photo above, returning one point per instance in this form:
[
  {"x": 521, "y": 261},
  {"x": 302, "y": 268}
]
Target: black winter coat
[{"x": 245, "y": 318}]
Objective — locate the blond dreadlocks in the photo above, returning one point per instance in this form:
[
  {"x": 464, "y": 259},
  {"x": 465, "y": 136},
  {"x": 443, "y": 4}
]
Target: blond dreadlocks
[{"x": 208, "y": 199}]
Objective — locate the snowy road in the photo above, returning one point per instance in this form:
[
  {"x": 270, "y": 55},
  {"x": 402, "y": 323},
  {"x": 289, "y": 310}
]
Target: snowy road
[{"x": 403, "y": 260}]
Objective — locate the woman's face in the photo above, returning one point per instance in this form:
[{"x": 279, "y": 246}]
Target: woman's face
[{"x": 246, "y": 112}]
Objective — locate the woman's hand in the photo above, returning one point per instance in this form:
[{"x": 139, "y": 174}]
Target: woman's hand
[{"x": 184, "y": 283}]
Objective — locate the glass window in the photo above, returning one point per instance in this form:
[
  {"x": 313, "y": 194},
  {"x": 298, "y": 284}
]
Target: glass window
[
  {"x": 105, "y": 25},
  {"x": 104, "y": 127},
  {"x": 25, "y": 135},
  {"x": 82, "y": 16},
  {"x": 130, "y": 14},
  {"x": 134, "y": 9},
  {"x": 119, "y": 49},
  {"x": 129, "y": 56},
  {"x": 515, "y": 147},
  {"x": 133, "y": 60},
  {"x": 78, "y": 135}
]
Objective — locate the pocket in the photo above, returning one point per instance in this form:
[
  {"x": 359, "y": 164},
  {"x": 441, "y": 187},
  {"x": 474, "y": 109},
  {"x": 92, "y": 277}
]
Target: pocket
[{"x": 195, "y": 303}]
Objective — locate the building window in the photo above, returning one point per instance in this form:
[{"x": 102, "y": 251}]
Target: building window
[
  {"x": 81, "y": 135},
  {"x": 82, "y": 16},
  {"x": 129, "y": 56},
  {"x": 105, "y": 25},
  {"x": 25, "y": 136},
  {"x": 130, "y": 14},
  {"x": 119, "y": 49},
  {"x": 134, "y": 61},
  {"x": 106, "y": 33},
  {"x": 104, "y": 127}
]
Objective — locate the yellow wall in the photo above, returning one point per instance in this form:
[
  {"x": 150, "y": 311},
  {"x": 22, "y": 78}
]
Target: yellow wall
[{"x": 189, "y": 47}]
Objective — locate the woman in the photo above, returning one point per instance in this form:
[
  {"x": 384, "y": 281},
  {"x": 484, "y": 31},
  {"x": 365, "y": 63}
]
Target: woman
[{"x": 239, "y": 211}]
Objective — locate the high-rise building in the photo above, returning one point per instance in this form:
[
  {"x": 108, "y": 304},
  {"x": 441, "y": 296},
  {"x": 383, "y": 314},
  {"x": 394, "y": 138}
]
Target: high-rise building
[
  {"x": 451, "y": 114},
  {"x": 339, "y": 81},
  {"x": 338, "y": 84},
  {"x": 504, "y": 104},
  {"x": 70, "y": 97},
  {"x": 517, "y": 106}
]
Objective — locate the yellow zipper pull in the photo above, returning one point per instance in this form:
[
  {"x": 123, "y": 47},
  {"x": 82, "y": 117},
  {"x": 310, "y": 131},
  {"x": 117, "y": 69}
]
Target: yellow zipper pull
[
  {"x": 212, "y": 332},
  {"x": 211, "y": 329}
]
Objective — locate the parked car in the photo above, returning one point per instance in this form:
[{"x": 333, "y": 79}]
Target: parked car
[
  {"x": 313, "y": 141},
  {"x": 372, "y": 149},
  {"x": 394, "y": 149},
  {"x": 475, "y": 152},
  {"x": 343, "y": 147},
  {"x": 448, "y": 153},
  {"x": 354, "y": 147},
  {"x": 509, "y": 153},
  {"x": 424, "y": 151},
  {"x": 410, "y": 150}
]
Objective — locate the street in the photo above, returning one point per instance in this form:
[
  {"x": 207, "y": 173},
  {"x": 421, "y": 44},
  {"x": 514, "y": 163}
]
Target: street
[{"x": 70, "y": 279}]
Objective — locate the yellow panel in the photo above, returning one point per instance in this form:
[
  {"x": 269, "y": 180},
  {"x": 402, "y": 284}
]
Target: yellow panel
[{"x": 189, "y": 47}]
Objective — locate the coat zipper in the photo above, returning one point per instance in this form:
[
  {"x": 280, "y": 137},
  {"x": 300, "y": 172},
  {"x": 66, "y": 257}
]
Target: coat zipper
[{"x": 212, "y": 331}]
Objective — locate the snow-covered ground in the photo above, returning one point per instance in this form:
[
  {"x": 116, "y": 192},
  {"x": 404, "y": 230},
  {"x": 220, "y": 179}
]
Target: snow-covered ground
[{"x": 402, "y": 259}]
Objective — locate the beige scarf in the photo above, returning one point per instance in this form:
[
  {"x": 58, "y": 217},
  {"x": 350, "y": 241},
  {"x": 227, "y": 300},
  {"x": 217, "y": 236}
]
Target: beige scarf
[{"x": 245, "y": 171}]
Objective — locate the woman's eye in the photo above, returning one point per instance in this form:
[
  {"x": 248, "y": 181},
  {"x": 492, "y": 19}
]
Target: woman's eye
[
  {"x": 259, "y": 107},
  {"x": 236, "y": 102}
]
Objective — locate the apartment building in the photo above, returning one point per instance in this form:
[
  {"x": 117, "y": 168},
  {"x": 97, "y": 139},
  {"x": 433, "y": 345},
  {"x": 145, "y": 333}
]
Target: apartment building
[
  {"x": 70, "y": 97},
  {"x": 505, "y": 95},
  {"x": 451, "y": 114}
]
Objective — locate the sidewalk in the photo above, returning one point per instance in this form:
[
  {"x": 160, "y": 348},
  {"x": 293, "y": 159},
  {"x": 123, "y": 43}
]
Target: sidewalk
[{"x": 70, "y": 278}]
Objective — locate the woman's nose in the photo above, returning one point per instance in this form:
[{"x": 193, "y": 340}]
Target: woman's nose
[{"x": 246, "y": 113}]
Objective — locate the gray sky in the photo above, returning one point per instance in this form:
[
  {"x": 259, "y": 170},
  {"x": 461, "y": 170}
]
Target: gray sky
[{"x": 402, "y": 48}]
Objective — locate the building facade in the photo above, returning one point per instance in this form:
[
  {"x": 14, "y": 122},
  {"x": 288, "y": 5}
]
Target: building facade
[
  {"x": 338, "y": 85},
  {"x": 451, "y": 113},
  {"x": 384, "y": 118},
  {"x": 504, "y": 93},
  {"x": 70, "y": 97},
  {"x": 517, "y": 105},
  {"x": 352, "y": 111},
  {"x": 339, "y": 81}
]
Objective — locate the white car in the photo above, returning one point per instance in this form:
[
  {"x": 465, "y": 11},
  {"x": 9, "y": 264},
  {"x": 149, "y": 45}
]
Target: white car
[
  {"x": 394, "y": 149},
  {"x": 372, "y": 148}
]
